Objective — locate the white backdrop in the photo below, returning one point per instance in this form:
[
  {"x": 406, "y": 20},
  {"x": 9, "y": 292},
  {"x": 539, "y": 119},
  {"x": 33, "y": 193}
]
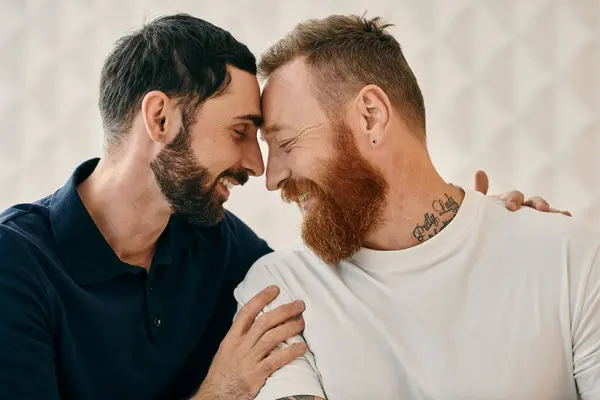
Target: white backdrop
[{"x": 511, "y": 86}]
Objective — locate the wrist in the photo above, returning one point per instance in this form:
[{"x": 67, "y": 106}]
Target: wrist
[{"x": 203, "y": 394}]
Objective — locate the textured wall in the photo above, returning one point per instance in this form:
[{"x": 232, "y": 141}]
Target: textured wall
[{"x": 511, "y": 86}]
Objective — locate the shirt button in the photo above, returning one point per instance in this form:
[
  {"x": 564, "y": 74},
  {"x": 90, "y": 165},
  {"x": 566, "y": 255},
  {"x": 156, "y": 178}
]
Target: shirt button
[{"x": 157, "y": 322}]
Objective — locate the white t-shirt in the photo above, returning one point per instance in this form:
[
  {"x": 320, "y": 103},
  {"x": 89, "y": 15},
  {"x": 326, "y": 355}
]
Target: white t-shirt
[{"x": 499, "y": 305}]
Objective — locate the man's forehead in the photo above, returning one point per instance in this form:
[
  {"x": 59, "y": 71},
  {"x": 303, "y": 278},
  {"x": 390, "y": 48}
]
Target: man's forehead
[
  {"x": 291, "y": 79},
  {"x": 242, "y": 92},
  {"x": 287, "y": 99},
  {"x": 280, "y": 97},
  {"x": 277, "y": 114}
]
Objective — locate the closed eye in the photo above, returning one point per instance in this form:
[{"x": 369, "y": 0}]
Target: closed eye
[
  {"x": 241, "y": 133},
  {"x": 286, "y": 145}
]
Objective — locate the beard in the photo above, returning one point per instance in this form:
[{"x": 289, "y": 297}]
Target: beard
[
  {"x": 187, "y": 185},
  {"x": 347, "y": 207}
]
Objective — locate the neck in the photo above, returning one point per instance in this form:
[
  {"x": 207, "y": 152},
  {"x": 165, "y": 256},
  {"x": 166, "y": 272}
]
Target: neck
[
  {"x": 127, "y": 208},
  {"x": 415, "y": 215}
]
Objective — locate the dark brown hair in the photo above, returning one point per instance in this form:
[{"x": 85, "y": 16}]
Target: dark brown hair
[{"x": 183, "y": 56}]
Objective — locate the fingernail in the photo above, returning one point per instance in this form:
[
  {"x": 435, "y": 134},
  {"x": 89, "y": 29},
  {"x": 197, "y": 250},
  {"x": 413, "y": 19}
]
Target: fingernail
[
  {"x": 299, "y": 304},
  {"x": 272, "y": 289}
]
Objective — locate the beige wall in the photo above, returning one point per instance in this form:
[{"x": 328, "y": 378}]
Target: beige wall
[{"x": 511, "y": 86}]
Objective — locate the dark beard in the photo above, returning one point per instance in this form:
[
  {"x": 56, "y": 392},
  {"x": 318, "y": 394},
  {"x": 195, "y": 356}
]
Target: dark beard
[
  {"x": 186, "y": 184},
  {"x": 347, "y": 208}
]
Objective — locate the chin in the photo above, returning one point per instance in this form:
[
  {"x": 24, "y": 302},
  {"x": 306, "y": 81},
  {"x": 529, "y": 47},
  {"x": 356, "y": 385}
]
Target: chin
[{"x": 205, "y": 218}]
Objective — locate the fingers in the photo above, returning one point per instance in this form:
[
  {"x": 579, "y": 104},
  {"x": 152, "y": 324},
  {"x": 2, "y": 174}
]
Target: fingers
[
  {"x": 482, "y": 183},
  {"x": 538, "y": 203},
  {"x": 247, "y": 314},
  {"x": 513, "y": 200},
  {"x": 279, "y": 358},
  {"x": 272, "y": 338},
  {"x": 271, "y": 319},
  {"x": 542, "y": 205},
  {"x": 554, "y": 210}
]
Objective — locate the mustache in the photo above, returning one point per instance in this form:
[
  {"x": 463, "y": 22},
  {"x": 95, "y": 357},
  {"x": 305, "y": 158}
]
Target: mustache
[
  {"x": 240, "y": 176},
  {"x": 291, "y": 190}
]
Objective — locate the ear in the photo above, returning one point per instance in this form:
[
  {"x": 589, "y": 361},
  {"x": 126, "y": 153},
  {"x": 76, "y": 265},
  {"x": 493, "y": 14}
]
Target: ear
[
  {"x": 374, "y": 109},
  {"x": 162, "y": 117}
]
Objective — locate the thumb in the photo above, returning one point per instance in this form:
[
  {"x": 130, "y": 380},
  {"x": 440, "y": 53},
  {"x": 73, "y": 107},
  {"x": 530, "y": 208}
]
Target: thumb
[{"x": 482, "y": 182}]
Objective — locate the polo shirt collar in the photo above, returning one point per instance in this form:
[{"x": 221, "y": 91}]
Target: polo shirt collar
[{"x": 86, "y": 254}]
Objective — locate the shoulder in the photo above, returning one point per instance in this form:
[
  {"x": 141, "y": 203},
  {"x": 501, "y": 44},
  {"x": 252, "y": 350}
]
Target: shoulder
[
  {"x": 232, "y": 224},
  {"x": 13, "y": 213},
  {"x": 21, "y": 280},
  {"x": 25, "y": 229},
  {"x": 233, "y": 235},
  {"x": 531, "y": 224},
  {"x": 293, "y": 270},
  {"x": 27, "y": 220},
  {"x": 25, "y": 239},
  {"x": 26, "y": 233},
  {"x": 545, "y": 239},
  {"x": 235, "y": 230},
  {"x": 293, "y": 259},
  {"x": 237, "y": 245}
]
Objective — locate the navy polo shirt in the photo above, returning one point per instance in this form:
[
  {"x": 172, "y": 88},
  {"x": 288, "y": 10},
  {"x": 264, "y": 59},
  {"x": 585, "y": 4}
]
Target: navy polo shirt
[{"x": 78, "y": 323}]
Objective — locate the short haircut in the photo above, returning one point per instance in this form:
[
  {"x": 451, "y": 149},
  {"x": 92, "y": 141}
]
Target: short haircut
[
  {"x": 345, "y": 53},
  {"x": 183, "y": 56}
]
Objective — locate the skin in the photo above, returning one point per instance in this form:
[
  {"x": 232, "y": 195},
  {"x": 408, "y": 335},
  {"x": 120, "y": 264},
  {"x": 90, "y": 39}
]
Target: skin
[
  {"x": 302, "y": 140},
  {"x": 129, "y": 209},
  {"x": 122, "y": 195},
  {"x": 127, "y": 205}
]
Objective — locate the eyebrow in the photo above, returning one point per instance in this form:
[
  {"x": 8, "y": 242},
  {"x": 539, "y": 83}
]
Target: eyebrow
[
  {"x": 256, "y": 119},
  {"x": 267, "y": 130}
]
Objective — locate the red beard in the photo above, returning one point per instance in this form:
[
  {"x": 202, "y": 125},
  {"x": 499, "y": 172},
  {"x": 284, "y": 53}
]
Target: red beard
[{"x": 348, "y": 207}]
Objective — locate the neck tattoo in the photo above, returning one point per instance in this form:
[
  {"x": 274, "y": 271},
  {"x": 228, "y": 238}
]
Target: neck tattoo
[{"x": 444, "y": 211}]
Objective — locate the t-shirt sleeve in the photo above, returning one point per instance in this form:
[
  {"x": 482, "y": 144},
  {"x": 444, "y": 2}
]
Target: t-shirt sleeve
[
  {"x": 27, "y": 369},
  {"x": 586, "y": 332},
  {"x": 299, "y": 377}
]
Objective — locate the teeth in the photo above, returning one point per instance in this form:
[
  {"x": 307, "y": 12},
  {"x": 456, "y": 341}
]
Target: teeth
[{"x": 226, "y": 182}]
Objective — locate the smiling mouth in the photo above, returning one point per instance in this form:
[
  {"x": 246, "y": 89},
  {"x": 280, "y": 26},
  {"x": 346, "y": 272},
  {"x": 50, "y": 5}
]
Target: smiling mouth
[
  {"x": 227, "y": 182},
  {"x": 305, "y": 201},
  {"x": 225, "y": 185}
]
